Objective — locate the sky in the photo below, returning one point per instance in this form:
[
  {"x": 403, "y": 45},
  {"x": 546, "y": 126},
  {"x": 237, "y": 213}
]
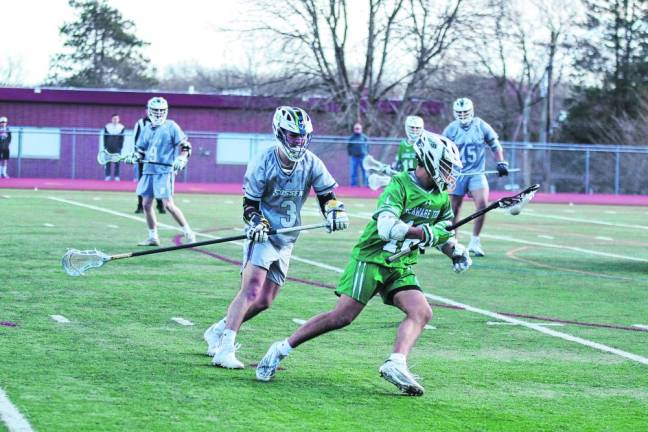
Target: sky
[
  {"x": 179, "y": 31},
  {"x": 186, "y": 31}
]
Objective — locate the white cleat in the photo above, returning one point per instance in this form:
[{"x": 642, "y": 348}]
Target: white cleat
[
  {"x": 190, "y": 237},
  {"x": 151, "y": 241},
  {"x": 475, "y": 247},
  {"x": 399, "y": 375},
  {"x": 213, "y": 336},
  {"x": 225, "y": 357},
  {"x": 268, "y": 365}
]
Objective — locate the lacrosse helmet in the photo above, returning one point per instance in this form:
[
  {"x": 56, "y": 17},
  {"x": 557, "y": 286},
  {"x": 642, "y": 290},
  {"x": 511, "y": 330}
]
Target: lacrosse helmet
[
  {"x": 463, "y": 110},
  {"x": 3, "y": 119},
  {"x": 413, "y": 128},
  {"x": 157, "y": 110},
  {"x": 293, "y": 129},
  {"x": 440, "y": 157}
]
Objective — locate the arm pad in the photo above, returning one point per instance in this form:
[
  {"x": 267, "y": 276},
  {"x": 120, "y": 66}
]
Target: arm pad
[
  {"x": 250, "y": 208},
  {"x": 323, "y": 199},
  {"x": 186, "y": 146},
  {"x": 390, "y": 228}
]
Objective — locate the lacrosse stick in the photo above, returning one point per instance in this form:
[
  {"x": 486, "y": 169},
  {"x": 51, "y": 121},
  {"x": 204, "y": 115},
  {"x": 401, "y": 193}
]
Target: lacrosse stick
[
  {"x": 511, "y": 205},
  {"x": 103, "y": 157},
  {"x": 376, "y": 167},
  {"x": 76, "y": 262},
  {"x": 376, "y": 181},
  {"x": 512, "y": 170}
]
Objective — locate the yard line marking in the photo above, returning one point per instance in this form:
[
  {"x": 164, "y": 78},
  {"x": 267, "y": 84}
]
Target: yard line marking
[
  {"x": 186, "y": 201},
  {"x": 298, "y": 321},
  {"x": 548, "y": 237},
  {"x": 112, "y": 226},
  {"x": 542, "y": 329},
  {"x": 589, "y": 221},
  {"x": 48, "y": 225},
  {"x": 96, "y": 198},
  {"x": 60, "y": 319},
  {"x": 610, "y": 212},
  {"x": 228, "y": 202},
  {"x": 429, "y": 327},
  {"x": 603, "y": 238},
  {"x": 641, "y": 326},
  {"x": 6, "y": 196},
  {"x": 182, "y": 321},
  {"x": 500, "y": 317},
  {"x": 569, "y": 211},
  {"x": 495, "y": 323},
  {"x": 11, "y": 416},
  {"x": 571, "y": 248}
]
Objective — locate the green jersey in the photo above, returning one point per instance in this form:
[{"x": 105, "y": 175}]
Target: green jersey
[
  {"x": 413, "y": 205},
  {"x": 406, "y": 156}
]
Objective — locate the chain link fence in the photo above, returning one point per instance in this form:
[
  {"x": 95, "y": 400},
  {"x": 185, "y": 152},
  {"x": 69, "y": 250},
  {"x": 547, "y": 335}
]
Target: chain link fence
[{"x": 222, "y": 157}]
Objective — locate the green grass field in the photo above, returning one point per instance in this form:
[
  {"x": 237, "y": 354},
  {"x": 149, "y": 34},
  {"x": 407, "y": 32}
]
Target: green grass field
[{"x": 121, "y": 363}]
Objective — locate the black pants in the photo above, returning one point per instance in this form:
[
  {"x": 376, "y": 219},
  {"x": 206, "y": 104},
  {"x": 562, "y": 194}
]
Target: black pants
[{"x": 107, "y": 169}]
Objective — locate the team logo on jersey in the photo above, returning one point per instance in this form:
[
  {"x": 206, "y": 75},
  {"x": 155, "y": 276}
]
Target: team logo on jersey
[{"x": 288, "y": 193}]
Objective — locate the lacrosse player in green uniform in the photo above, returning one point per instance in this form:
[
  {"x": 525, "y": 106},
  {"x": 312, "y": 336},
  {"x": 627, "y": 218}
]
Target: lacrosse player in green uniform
[
  {"x": 414, "y": 207},
  {"x": 406, "y": 156}
]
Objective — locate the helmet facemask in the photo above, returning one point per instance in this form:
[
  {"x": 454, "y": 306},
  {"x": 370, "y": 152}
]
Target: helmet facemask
[
  {"x": 157, "y": 110},
  {"x": 294, "y": 130},
  {"x": 413, "y": 128},
  {"x": 463, "y": 111}
]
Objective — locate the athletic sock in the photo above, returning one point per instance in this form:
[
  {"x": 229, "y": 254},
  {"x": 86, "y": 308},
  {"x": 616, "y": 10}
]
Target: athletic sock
[
  {"x": 398, "y": 358},
  {"x": 285, "y": 348},
  {"x": 153, "y": 233},
  {"x": 229, "y": 336}
]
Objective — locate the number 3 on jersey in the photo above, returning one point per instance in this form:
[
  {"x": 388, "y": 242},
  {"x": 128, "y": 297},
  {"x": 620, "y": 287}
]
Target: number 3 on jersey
[{"x": 291, "y": 212}]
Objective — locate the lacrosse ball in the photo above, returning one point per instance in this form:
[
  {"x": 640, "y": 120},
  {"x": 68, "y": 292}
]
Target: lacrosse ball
[
  {"x": 35, "y": 188},
  {"x": 515, "y": 211}
]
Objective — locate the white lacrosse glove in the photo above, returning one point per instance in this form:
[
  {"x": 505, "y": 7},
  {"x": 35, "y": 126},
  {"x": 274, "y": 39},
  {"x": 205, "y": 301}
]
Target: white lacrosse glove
[
  {"x": 179, "y": 163},
  {"x": 336, "y": 216},
  {"x": 257, "y": 228},
  {"x": 461, "y": 260}
]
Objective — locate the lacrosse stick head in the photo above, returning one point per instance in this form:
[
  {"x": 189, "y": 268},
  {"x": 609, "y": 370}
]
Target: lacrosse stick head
[
  {"x": 513, "y": 205},
  {"x": 377, "y": 181},
  {"x": 76, "y": 262},
  {"x": 373, "y": 166},
  {"x": 103, "y": 157}
]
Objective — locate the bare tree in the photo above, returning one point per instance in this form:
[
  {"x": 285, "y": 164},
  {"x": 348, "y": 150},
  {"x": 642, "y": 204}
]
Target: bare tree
[
  {"x": 11, "y": 71},
  {"x": 403, "y": 43}
]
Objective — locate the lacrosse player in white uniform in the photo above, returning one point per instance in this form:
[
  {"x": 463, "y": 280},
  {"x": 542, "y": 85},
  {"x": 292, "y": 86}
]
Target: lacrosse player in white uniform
[
  {"x": 471, "y": 135},
  {"x": 161, "y": 141},
  {"x": 277, "y": 183}
]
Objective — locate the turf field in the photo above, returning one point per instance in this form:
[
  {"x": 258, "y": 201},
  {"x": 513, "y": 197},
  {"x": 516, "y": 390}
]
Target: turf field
[{"x": 122, "y": 363}]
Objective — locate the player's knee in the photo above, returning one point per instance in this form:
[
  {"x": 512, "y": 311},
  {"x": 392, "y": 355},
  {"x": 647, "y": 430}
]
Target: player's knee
[
  {"x": 422, "y": 314},
  {"x": 342, "y": 320},
  {"x": 147, "y": 205},
  {"x": 263, "y": 302}
]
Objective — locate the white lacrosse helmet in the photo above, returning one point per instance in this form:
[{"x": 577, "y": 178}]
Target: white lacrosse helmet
[
  {"x": 157, "y": 110},
  {"x": 413, "y": 128},
  {"x": 440, "y": 157},
  {"x": 463, "y": 110},
  {"x": 293, "y": 129},
  {"x": 3, "y": 119}
]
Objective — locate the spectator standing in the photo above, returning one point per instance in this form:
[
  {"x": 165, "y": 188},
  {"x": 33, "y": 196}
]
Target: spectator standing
[
  {"x": 357, "y": 148},
  {"x": 113, "y": 142},
  {"x": 5, "y": 140}
]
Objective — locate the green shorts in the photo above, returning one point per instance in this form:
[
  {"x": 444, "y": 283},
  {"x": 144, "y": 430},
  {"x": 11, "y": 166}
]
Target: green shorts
[{"x": 362, "y": 280}]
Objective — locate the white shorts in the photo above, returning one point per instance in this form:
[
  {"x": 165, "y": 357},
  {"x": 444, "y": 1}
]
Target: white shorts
[
  {"x": 266, "y": 255},
  {"x": 156, "y": 185}
]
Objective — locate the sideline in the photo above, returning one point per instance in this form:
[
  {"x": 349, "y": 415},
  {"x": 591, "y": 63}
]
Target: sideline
[
  {"x": 536, "y": 327},
  {"x": 11, "y": 416}
]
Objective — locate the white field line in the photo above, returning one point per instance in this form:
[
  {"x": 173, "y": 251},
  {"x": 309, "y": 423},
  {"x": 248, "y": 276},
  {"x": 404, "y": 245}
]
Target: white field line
[
  {"x": 112, "y": 226},
  {"x": 182, "y": 321},
  {"x": 60, "y": 319},
  {"x": 546, "y": 237},
  {"x": 11, "y": 416},
  {"x": 571, "y": 248},
  {"x": 6, "y": 196},
  {"x": 298, "y": 321},
  {"x": 495, "y": 315},
  {"x": 542, "y": 329},
  {"x": 641, "y": 326},
  {"x": 48, "y": 225},
  {"x": 589, "y": 221},
  {"x": 603, "y": 238},
  {"x": 429, "y": 327},
  {"x": 497, "y": 323}
]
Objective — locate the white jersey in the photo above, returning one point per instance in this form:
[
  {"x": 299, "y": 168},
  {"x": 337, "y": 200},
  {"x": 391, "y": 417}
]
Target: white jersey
[{"x": 282, "y": 196}]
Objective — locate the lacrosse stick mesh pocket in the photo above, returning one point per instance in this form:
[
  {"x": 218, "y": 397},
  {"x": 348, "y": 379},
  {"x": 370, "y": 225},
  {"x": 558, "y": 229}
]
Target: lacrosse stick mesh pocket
[{"x": 76, "y": 262}]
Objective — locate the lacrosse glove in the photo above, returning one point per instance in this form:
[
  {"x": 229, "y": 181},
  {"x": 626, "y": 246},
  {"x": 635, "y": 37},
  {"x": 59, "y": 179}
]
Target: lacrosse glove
[
  {"x": 502, "y": 169},
  {"x": 336, "y": 216},
  {"x": 436, "y": 234},
  {"x": 257, "y": 228},
  {"x": 179, "y": 163},
  {"x": 461, "y": 260},
  {"x": 133, "y": 158}
]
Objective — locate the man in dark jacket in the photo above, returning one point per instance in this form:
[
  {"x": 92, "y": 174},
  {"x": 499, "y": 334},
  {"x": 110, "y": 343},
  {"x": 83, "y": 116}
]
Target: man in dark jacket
[
  {"x": 357, "y": 148},
  {"x": 113, "y": 142},
  {"x": 5, "y": 140}
]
